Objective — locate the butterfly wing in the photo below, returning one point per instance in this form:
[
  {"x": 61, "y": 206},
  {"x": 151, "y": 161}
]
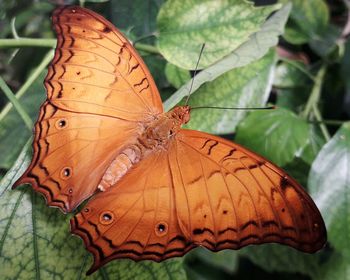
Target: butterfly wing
[
  {"x": 96, "y": 70},
  {"x": 236, "y": 198},
  {"x": 99, "y": 93},
  {"x": 134, "y": 219},
  {"x": 202, "y": 191}
]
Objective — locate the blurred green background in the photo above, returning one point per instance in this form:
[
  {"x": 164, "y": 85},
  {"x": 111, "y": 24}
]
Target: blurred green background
[{"x": 306, "y": 74}]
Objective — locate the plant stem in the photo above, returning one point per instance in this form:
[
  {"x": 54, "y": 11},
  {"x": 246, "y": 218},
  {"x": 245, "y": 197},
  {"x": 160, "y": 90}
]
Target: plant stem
[
  {"x": 147, "y": 48},
  {"x": 9, "y": 94},
  {"x": 27, "y": 42},
  {"x": 298, "y": 66},
  {"x": 315, "y": 93},
  {"x": 329, "y": 122},
  {"x": 323, "y": 127},
  {"x": 51, "y": 43},
  {"x": 47, "y": 58}
]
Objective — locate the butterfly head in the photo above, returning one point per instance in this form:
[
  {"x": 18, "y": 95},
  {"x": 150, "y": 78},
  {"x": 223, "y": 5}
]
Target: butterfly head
[{"x": 181, "y": 114}]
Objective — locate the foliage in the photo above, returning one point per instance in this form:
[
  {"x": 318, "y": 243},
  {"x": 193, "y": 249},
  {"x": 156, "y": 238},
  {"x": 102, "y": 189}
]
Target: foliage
[{"x": 305, "y": 75}]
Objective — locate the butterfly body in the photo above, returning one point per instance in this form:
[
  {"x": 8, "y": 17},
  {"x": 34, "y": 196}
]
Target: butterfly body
[
  {"x": 156, "y": 136},
  {"x": 157, "y": 190}
]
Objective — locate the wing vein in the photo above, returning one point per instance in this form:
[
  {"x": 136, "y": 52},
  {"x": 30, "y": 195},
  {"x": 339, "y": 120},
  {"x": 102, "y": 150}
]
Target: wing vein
[
  {"x": 242, "y": 184},
  {"x": 156, "y": 210},
  {"x": 210, "y": 204},
  {"x": 290, "y": 209},
  {"x": 233, "y": 204},
  {"x": 184, "y": 189},
  {"x": 264, "y": 193}
]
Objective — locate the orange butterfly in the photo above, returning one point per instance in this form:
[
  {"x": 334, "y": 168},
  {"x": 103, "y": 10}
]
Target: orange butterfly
[{"x": 159, "y": 190}]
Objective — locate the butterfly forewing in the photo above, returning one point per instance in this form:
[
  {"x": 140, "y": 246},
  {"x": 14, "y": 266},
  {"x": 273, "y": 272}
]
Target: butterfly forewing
[
  {"x": 96, "y": 70},
  {"x": 99, "y": 93},
  {"x": 71, "y": 153}
]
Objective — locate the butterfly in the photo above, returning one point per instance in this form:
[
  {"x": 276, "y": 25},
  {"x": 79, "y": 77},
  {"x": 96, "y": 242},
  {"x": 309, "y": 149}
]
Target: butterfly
[{"x": 157, "y": 190}]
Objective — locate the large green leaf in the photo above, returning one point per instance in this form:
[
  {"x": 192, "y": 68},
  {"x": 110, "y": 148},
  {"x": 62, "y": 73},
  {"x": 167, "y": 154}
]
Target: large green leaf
[
  {"x": 329, "y": 181},
  {"x": 222, "y": 25},
  {"x": 35, "y": 242},
  {"x": 176, "y": 75},
  {"x": 206, "y": 265},
  {"x": 277, "y": 134},
  {"x": 314, "y": 144},
  {"x": 309, "y": 23},
  {"x": 141, "y": 20},
  {"x": 275, "y": 257},
  {"x": 292, "y": 85},
  {"x": 255, "y": 48},
  {"x": 336, "y": 267},
  {"x": 243, "y": 87},
  {"x": 13, "y": 132},
  {"x": 308, "y": 19},
  {"x": 227, "y": 260}
]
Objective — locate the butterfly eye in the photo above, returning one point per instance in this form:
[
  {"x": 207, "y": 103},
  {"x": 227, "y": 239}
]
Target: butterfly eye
[
  {"x": 106, "y": 218},
  {"x": 66, "y": 173},
  {"x": 161, "y": 229}
]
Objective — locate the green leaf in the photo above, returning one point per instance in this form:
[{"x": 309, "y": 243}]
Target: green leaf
[
  {"x": 276, "y": 257},
  {"x": 329, "y": 181},
  {"x": 176, "y": 75},
  {"x": 314, "y": 144},
  {"x": 327, "y": 41},
  {"x": 308, "y": 20},
  {"x": 278, "y": 134},
  {"x": 36, "y": 243},
  {"x": 255, "y": 48},
  {"x": 137, "y": 15},
  {"x": 243, "y": 87},
  {"x": 292, "y": 85},
  {"x": 298, "y": 169},
  {"x": 337, "y": 267},
  {"x": 227, "y": 260},
  {"x": 222, "y": 25},
  {"x": 206, "y": 265},
  {"x": 294, "y": 36},
  {"x": 13, "y": 132},
  {"x": 156, "y": 65}
]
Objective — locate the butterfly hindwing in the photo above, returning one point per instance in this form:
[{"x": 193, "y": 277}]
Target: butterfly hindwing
[
  {"x": 134, "y": 219},
  {"x": 201, "y": 191},
  {"x": 236, "y": 198}
]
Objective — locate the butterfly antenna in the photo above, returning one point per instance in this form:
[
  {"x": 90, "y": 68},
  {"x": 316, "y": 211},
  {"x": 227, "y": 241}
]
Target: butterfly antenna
[
  {"x": 235, "y": 108},
  {"x": 194, "y": 74}
]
